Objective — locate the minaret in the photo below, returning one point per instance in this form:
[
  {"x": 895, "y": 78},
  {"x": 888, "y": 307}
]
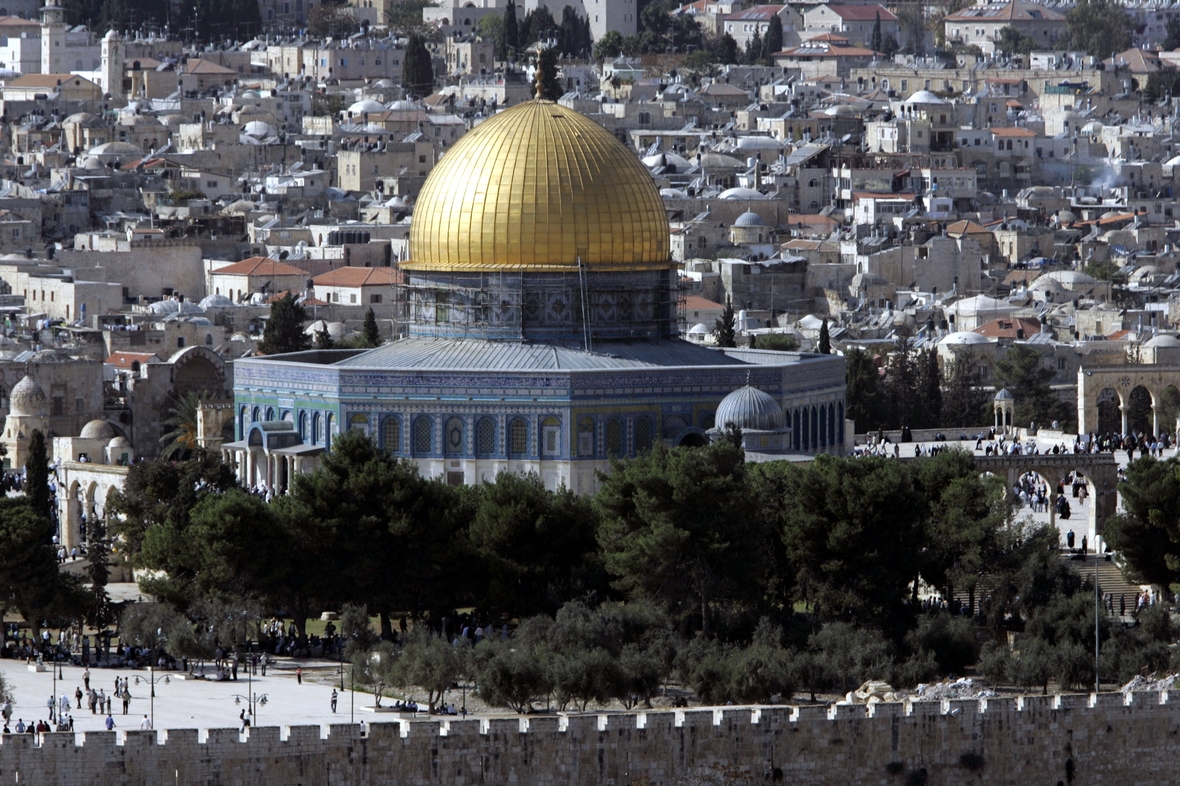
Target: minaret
[
  {"x": 112, "y": 65},
  {"x": 53, "y": 37}
]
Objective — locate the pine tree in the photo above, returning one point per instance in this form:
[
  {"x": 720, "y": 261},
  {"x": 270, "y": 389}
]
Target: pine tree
[
  {"x": 99, "y": 573},
  {"x": 825, "y": 341},
  {"x": 511, "y": 29},
  {"x": 726, "y": 325},
  {"x": 37, "y": 475},
  {"x": 284, "y": 328},
  {"x": 417, "y": 68},
  {"x": 754, "y": 49},
  {"x": 875, "y": 42},
  {"x": 547, "y": 66},
  {"x": 370, "y": 331}
]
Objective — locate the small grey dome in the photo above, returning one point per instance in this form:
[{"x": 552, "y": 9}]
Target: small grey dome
[
  {"x": 749, "y": 219},
  {"x": 97, "y": 429},
  {"x": 1163, "y": 340},
  {"x": 750, "y": 408},
  {"x": 1003, "y": 395},
  {"x": 27, "y": 398}
]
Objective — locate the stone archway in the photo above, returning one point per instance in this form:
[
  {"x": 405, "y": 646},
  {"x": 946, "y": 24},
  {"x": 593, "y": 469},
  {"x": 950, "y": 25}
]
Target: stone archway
[
  {"x": 1093, "y": 381},
  {"x": 1110, "y": 416}
]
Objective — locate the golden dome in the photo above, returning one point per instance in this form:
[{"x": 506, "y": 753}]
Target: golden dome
[{"x": 537, "y": 187}]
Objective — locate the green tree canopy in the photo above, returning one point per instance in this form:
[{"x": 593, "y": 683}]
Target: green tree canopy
[
  {"x": 28, "y": 565},
  {"x": 284, "y": 328},
  {"x": 370, "y": 331},
  {"x": 678, "y": 526},
  {"x": 539, "y": 546},
  {"x": 1030, "y": 383},
  {"x": 1146, "y": 534},
  {"x": 1101, "y": 28}
]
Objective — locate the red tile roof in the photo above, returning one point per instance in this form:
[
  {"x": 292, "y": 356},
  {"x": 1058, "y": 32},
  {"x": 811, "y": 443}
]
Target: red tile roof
[
  {"x": 259, "y": 266},
  {"x": 125, "y": 359},
  {"x": 359, "y": 277}
]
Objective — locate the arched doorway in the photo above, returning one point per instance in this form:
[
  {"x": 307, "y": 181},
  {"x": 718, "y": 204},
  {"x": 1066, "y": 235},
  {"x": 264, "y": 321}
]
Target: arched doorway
[
  {"x": 1110, "y": 419},
  {"x": 1139, "y": 410}
]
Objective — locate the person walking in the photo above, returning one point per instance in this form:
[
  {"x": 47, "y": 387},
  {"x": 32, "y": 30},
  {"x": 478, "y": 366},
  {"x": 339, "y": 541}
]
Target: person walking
[
  {"x": 334, "y": 697},
  {"x": 145, "y": 724},
  {"x": 299, "y": 675},
  {"x": 78, "y": 697},
  {"x": 86, "y": 679},
  {"x": 110, "y": 723}
]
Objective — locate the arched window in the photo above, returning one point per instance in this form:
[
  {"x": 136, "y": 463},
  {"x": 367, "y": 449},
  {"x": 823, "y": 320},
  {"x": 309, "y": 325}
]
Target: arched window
[
  {"x": 550, "y": 437},
  {"x": 831, "y": 424},
  {"x": 256, "y": 415},
  {"x": 242, "y": 422},
  {"x": 642, "y": 435},
  {"x": 518, "y": 438},
  {"x": 586, "y": 436},
  {"x": 329, "y": 430},
  {"x": 806, "y": 429},
  {"x": 270, "y": 414},
  {"x": 485, "y": 438},
  {"x": 208, "y": 339},
  {"x": 614, "y": 438},
  {"x": 840, "y": 421},
  {"x": 317, "y": 429},
  {"x": 393, "y": 435},
  {"x": 359, "y": 423},
  {"x": 814, "y": 429},
  {"x": 453, "y": 437},
  {"x": 795, "y": 431},
  {"x": 303, "y": 426},
  {"x": 423, "y": 436},
  {"x": 823, "y": 426}
]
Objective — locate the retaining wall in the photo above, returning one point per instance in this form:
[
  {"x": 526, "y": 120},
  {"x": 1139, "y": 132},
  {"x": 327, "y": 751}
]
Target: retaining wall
[{"x": 1072, "y": 739}]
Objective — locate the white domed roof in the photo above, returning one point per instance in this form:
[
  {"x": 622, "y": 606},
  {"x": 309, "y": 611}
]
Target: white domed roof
[
  {"x": 750, "y": 408},
  {"x": 924, "y": 97},
  {"x": 367, "y": 105},
  {"x": 741, "y": 193},
  {"x": 115, "y": 149},
  {"x": 257, "y": 129},
  {"x": 97, "y": 429},
  {"x": 216, "y": 301},
  {"x": 161, "y": 307},
  {"x": 27, "y": 398},
  {"x": 402, "y": 105},
  {"x": 1003, "y": 395},
  {"x": 699, "y": 329},
  {"x": 1046, "y": 284},
  {"x": 963, "y": 337},
  {"x": 1163, "y": 340},
  {"x": 118, "y": 442},
  {"x": 1071, "y": 277},
  {"x": 759, "y": 143}
]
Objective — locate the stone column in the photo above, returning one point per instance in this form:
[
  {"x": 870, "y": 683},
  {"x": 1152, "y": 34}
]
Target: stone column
[
  {"x": 1123, "y": 411},
  {"x": 1155, "y": 419}
]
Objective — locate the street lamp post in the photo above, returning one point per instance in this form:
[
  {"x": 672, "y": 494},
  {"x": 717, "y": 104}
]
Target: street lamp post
[{"x": 151, "y": 680}]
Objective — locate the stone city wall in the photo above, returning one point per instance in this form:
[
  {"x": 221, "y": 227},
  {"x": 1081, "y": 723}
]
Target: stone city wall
[{"x": 1073, "y": 739}]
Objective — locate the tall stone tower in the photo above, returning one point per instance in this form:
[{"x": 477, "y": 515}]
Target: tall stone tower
[
  {"x": 53, "y": 37},
  {"x": 112, "y": 65}
]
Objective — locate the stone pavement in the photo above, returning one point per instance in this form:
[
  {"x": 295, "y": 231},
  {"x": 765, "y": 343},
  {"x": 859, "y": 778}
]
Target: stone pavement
[{"x": 193, "y": 703}]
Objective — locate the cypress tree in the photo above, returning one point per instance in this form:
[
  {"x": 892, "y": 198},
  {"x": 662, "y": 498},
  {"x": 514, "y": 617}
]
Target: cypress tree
[
  {"x": 774, "y": 39},
  {"x": 875, "y": 43},
  {"x": 511, "y": 29},
  {"x": 370, "y": 331},
  {"x": 417, "y": 68},
  {"x": 726, "y": 326},
  {"x": 37, "y": 475},
  {"x": 825, "y": 341}
]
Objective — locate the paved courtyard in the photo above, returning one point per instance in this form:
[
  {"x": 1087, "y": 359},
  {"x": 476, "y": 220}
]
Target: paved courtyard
[{"x": 192, "y": 703}]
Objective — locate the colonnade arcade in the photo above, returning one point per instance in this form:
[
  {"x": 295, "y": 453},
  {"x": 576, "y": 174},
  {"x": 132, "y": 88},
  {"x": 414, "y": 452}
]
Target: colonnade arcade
[{"x": 1128, "y": 399}]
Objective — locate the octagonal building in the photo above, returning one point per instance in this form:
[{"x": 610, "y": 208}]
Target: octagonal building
[{"x": 543, "y": 310}]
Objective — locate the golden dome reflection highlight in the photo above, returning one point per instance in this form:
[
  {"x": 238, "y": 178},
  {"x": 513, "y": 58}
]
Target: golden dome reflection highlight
[{"x": 537, "y": 187}]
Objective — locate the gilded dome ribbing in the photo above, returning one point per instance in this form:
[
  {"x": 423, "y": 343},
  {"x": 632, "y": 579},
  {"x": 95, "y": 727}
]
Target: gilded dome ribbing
[{"x": 537, "y": 187}]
